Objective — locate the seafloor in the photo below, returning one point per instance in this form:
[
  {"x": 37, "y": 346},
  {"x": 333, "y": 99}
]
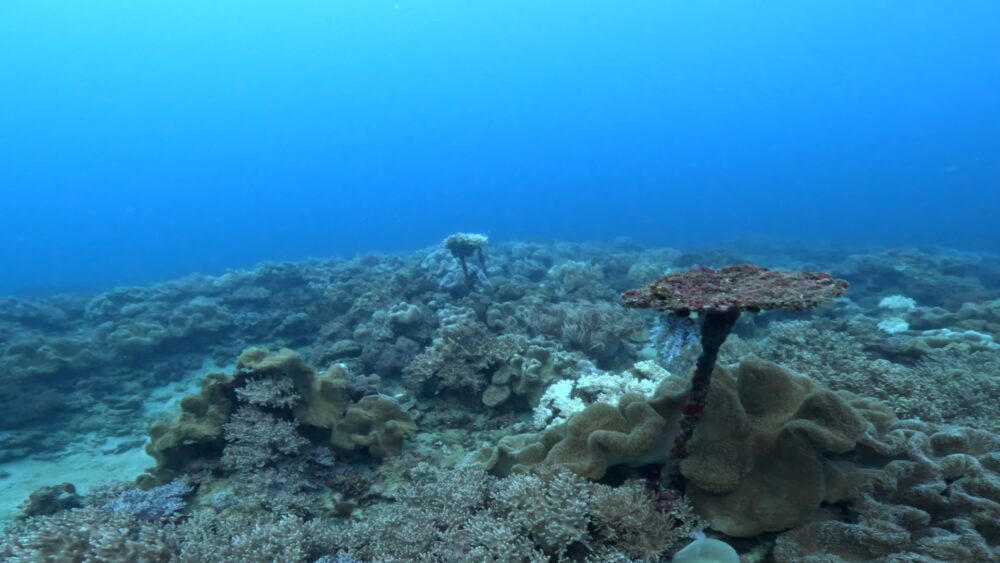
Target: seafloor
[{"x": 398, "y": 408}]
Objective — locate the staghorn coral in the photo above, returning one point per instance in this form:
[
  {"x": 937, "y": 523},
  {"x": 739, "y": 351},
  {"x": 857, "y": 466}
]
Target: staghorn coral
[
  {"x": 551, "y": 507},
  {"x": 628, "y": 518},
  {"x": 86, "y": 534},
  {"x": 241, "y": 536},
  {"x": 463, "y": 514},
  {"x": 268, "y": 392},
  {"x": 159, "y": 503},
  {"x": 255, "y": 440}
]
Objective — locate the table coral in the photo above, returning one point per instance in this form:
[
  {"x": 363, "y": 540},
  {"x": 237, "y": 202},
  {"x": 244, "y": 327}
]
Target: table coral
[
  {"x": 721, "y": 295},
  {"x": 745, "y": 287}
]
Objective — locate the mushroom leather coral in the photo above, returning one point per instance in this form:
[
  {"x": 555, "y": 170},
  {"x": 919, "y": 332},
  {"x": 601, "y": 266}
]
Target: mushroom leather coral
[
  {"x": 196, "y": 432},
  {"x": 757, "y": 461},
  {"x": 376, "y": 423},
  {"x": 635, "y": 432},
  {"x": 939, "y": 500}
]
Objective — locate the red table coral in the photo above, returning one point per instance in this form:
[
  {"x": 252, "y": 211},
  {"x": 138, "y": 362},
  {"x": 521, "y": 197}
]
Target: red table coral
[
  {"x": 744, "y": 287},
  {"x": 719, "y": 296}
]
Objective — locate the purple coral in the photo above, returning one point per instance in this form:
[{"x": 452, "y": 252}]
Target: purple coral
[{"x": 720, "y": 296}]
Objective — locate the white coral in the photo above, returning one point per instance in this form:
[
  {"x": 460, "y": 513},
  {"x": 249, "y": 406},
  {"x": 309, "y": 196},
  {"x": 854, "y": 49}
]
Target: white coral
[
  {"x": 567, "y": 397},
  {"x": 897, "y": 303},
  {"x": 557, "y": 404},
  {"x": 893, "y": 325}
]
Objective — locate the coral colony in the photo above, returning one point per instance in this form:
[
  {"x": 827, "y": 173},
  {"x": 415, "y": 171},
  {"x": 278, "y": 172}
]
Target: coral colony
[
  {"x": 720, "y": 296},
  {"x": 438, "y": 407}
]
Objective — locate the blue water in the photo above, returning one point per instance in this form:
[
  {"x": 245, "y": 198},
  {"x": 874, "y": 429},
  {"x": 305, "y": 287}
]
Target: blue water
[{"x": 141, "y": 139}]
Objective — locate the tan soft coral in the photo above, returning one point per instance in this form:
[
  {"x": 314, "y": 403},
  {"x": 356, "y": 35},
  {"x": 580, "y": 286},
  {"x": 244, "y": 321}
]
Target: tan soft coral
[
  {"x": 195, "y": 432},
  {"x": 376, "y": 424},
  {"x": 938, "y": 500},
  {"x": 319, "y": 401},
  {"x": 758, "y": 462},
  {"x": 633, "y": 432}
]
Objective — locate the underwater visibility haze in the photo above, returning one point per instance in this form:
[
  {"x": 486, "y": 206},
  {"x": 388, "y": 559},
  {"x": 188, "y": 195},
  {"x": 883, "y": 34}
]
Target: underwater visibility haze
[
  {"x": 143, "y": 140},
  {"x": 366, "y": 281}
]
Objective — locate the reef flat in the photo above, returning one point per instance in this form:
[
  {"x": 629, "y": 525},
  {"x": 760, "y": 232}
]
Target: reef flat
[{"x": 497, "y": 402}]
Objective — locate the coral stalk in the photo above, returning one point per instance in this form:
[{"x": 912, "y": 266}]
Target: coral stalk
[{"x": 720, "y": 296}]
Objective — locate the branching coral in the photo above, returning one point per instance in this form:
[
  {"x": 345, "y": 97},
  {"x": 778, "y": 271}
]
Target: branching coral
[{"x": 464, "y": 514}]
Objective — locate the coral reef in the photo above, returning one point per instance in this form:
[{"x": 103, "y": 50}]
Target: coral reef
[
  {"x": 466, "y": 515},
  {"x": 868, "y": 444}
]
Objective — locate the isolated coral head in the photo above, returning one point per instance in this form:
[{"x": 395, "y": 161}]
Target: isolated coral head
[
  {"x": 742, "y": 287},
  {"x": 464, "y": 245}
]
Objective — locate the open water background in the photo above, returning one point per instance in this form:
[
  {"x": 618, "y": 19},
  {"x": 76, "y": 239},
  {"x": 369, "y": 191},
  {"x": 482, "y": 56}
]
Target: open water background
[{"x": 141, "y": 140}]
